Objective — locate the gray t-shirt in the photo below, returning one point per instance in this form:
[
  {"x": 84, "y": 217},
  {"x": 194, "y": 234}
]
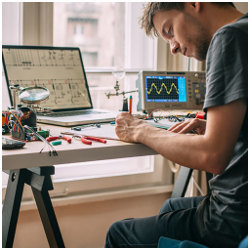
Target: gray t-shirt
[{"x": 223, "y": 215}]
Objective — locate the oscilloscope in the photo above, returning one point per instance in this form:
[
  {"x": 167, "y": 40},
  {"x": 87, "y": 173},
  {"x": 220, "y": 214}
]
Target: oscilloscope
[{"x": 170, "y": 90}]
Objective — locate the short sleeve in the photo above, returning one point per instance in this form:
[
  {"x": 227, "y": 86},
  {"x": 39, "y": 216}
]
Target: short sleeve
[{"x": 227, "y": 68}]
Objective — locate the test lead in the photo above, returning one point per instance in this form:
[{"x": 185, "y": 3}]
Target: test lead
[{"x": 51, "y": 148}]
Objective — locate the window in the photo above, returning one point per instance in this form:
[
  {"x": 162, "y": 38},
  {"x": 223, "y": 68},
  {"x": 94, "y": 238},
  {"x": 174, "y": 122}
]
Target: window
[
  {"x": 12, "y": 14},
  {"x": 90, "y": 57},
  {"x": 103, "y": 25},
  {"x": 11, "y": 34},
  {"x": 103, "y": 32},
  {"x": 109, "y": 37}
]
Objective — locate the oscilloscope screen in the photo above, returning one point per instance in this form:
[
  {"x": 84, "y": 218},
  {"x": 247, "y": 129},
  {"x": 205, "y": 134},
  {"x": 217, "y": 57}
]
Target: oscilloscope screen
[{"x": 165, "y": 89}]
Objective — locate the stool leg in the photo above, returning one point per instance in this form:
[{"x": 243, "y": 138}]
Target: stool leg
[
  {"x": 11, "y": 206},
  {"x": 48, "y": 217}
]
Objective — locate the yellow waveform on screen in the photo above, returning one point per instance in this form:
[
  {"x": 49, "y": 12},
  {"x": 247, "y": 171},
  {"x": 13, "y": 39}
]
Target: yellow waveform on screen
[{"x": 163, "y": 86}]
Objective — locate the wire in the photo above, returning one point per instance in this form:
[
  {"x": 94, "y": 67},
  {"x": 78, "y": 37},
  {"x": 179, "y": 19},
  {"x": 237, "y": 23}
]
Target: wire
[
  {"x": 155, "y": 110},
  {"x": 174, "y": 118},
  {"x": 174, "y": 167},
  {"x": 52, "y": 150},
  {"x": 17, "y": 120},
  {"x": 197, "y": 186}
]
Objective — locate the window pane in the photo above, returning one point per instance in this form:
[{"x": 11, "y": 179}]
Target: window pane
[
  {"x": 97, "y": 28},
  {"x": 100, "y": 31},
  {"x": 102, "y": 83},
  {"x": 101, "y": 169}
]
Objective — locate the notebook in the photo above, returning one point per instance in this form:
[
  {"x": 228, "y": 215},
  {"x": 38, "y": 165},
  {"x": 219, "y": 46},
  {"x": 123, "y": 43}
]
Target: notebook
[{"x": 61, "y": 71}]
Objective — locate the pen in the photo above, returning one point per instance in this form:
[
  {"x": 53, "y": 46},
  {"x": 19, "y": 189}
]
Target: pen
[{"x": 130, "y": 105}]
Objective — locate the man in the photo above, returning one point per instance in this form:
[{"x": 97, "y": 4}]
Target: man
[{"x": 216, "y": 32}]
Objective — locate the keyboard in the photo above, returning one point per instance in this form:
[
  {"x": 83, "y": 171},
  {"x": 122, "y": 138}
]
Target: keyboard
[{"x": 70, "y": 113}]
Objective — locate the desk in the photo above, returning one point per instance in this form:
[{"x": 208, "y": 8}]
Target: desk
[
  {"x": 29, "y": 156},
  {"x": 28, "y": 166}
]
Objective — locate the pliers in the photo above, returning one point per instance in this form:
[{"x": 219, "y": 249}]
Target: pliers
[
  {"x": 88, "y": 139},
  {"x": 53, "y": 138}
]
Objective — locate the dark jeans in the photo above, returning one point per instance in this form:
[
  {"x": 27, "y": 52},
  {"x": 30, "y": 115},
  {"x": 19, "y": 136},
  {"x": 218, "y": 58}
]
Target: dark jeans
[{"x": 175, "y": 220}]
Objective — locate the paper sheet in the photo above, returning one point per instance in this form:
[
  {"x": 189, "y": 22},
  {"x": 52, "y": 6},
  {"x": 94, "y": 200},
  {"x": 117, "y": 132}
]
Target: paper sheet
[{"x": 106, "y": 131}]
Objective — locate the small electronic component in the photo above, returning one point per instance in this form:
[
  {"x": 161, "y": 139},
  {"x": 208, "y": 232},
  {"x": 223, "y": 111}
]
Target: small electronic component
[
  {"x": 23, "y": 132},
  {"x": 43, "y": 133},
  {"x": 52, "y": 150},
  {"x": 5, "y": 128},
  {"x": 79, "y": 128},
  {"x": 14, "y": 122}
]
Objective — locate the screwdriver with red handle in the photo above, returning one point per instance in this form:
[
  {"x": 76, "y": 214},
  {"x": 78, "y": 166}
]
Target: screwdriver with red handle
[
  {"x": 201, "y": 115},
  {"x": 88, "y": 140}
]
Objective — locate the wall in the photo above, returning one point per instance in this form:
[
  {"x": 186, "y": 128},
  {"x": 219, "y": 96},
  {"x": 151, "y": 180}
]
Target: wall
[
  {"x": 86, "y": 224},
  {"x": 241, "y": 6}
]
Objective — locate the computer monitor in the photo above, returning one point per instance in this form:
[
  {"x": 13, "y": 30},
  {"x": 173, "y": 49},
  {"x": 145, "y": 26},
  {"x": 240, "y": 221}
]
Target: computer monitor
[{"x": 170, "y": 90}]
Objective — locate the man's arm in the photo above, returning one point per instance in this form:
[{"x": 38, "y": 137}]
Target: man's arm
[{"x": 210, "y": 152}]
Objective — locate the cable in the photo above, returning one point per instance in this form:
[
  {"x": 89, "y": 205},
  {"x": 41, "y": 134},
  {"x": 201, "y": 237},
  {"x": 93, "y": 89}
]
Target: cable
[
  {"x": 17, "y": 121},
  {"x": 174, "y": 118},
  {"x": 174, "y": 167},
  {"x": 51, "y": 148},
  {"x": 197, "y": 186}
]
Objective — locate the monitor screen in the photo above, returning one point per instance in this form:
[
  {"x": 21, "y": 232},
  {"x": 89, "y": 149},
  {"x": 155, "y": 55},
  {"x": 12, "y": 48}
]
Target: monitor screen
[
  {"x": 58, "y": 69},
  {"x": 170, "y": 90},
  {"x": 165, "y": 89}
]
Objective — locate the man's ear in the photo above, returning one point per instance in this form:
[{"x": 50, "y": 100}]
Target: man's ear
[{"x": 196, "y": 6}]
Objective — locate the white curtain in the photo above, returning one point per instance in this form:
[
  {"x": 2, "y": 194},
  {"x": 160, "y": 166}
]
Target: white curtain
[{"x": 168, "y": 62}]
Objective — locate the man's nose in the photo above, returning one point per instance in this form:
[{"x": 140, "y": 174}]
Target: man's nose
[{"x": 174, "y": 47}]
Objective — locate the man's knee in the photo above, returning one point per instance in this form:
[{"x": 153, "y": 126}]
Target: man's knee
[
  {"x": 115, "y": 234},
  {"x": 166, "y": 207},
  {"x": 111, "y": 235},
  {"x": 178, "y": 203},
  {"x": 171, "y": 205}
]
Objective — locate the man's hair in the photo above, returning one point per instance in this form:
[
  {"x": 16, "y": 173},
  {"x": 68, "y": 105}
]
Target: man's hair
[{"x": 153, "y": 7}]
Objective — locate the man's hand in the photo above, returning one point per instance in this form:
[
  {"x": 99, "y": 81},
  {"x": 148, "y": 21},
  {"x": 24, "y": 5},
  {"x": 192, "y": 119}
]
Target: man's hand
[
  {"x": 128, "y": 127},
  {"x": 191, "y": 125}
]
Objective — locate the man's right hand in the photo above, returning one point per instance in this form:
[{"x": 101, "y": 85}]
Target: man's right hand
[{"x": 191, "y": 125}]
